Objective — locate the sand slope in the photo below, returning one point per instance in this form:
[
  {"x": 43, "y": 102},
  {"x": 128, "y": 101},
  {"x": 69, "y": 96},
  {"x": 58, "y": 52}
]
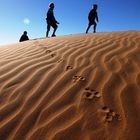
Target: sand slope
[{"x": 75, "y": 87}]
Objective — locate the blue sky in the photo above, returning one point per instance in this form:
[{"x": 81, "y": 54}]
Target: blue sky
[{"x": 114, "y": 15}]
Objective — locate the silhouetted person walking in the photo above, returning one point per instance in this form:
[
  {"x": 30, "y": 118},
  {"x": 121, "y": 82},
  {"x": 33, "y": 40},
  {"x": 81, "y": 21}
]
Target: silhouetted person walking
[
  {"x": 51, "y": 21},
  {"x": 24, "y": 37},
  {"x": 92, "y": 16}
]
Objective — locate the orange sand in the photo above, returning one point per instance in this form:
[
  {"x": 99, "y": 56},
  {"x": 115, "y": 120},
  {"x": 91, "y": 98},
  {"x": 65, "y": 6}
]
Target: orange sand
[{"x": 75, "y": 87}]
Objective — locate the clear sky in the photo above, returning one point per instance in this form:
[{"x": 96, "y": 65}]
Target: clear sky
[{"x": 19, "y": 15}]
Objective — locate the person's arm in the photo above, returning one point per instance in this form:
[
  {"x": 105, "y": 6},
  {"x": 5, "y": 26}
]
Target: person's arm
[
  {"x": 97, "y": 17},
  {"x": 53, "y": 18}
]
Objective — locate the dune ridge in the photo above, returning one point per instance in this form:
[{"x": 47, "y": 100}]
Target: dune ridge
[{"x": 73, "y": 87}]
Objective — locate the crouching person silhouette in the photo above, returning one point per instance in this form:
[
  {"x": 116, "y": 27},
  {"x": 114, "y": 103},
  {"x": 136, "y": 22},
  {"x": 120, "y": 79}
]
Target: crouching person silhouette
[
  {"x": 51, "y": 21},
  {"x": 24, "y": 37},
  {"x": 92, "y": 16}
]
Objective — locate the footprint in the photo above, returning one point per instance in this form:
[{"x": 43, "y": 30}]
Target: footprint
[
  {"x": 78, "y": 79},
  {"x": 97, "y": 94},
  {"x": 105, "y": 109},
  {"x": 68, "y": 68},
  {"x": 52, "y": 55},
  {"x": 60, "y": 60},
  {"x": 109, "y": 118},
  {"x": 110, "y": 114},
  {"x": 91, "y": 93},
  {"x": 118, "y": 117},
  {"x": 48, "y": 51},
  {"x": 87, "y": 88}
]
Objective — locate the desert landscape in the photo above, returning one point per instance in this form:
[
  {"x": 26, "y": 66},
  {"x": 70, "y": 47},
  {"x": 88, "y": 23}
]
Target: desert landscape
[{"x": 72, "y": 87}]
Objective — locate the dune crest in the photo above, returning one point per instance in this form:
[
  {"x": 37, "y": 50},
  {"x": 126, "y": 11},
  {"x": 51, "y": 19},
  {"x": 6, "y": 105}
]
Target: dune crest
[{"x": 75, "y": 87}]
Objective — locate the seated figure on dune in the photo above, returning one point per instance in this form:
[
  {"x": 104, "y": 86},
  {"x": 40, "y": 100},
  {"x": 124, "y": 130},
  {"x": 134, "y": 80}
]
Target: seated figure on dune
[
  {"x": 24, "y": 37},
  {"x": 51, "y": 21},
  {"x": 92, "y": 17}
]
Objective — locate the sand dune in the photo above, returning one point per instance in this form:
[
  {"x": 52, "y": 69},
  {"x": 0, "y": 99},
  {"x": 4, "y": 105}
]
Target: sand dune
[{"x": 74, "y": 87}]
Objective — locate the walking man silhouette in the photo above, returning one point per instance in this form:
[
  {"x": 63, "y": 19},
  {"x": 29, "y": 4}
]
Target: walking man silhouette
[
  {"x": 92, "y": 16},
  {"x": 51, "y": 21}
]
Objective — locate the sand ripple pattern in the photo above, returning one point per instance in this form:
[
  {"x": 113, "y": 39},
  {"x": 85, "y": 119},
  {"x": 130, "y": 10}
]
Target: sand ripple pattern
[{"x": 74, "y": 87}]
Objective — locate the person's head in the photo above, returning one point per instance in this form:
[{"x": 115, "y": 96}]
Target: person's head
[
  {"x": 25, "y": 32},
  {"x": 95, "y": 6},
  {"x": 51, "y": 6}
]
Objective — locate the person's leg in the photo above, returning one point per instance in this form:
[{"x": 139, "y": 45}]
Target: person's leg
[
  {"x": 55, "y": 28},
  {"x": 88, "y": 28},
  {"x": 48, "y": 29},
  {"x": 95, "y": 25}
]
